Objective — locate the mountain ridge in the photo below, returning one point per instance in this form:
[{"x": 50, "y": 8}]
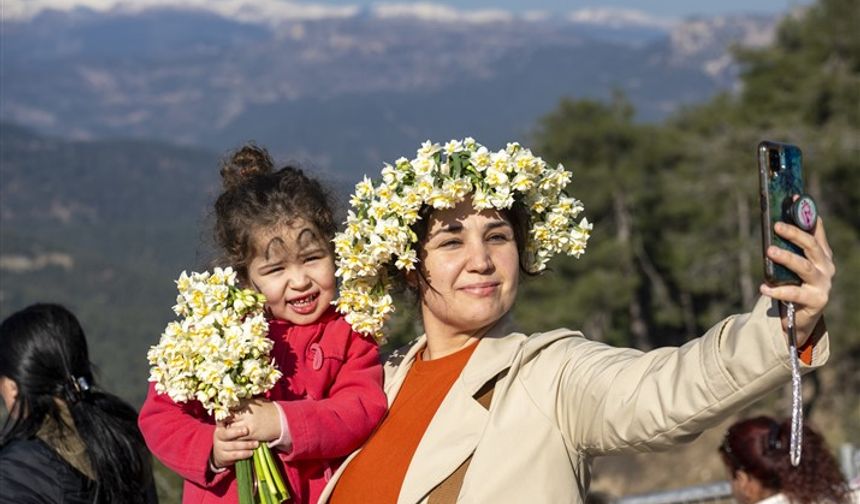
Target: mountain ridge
[{"x": 210, "y": 81}]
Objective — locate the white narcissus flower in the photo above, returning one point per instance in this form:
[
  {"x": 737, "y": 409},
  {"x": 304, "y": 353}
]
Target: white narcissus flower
[
  {"x": 391, "y": 174},
  {"x": 423, "y": 166},
  {"x": 502, "y": 197},
  {"x": 428, "y": 149},
  {"x": 496, "y": 177},
  {"x": 183, "y": 283},
  {"x": 481, "y": 200},
  {"x": 384, "y": 192},
  {"x": 481, "y": 159},
  {"x": 522, "y": 182},
  {"x": 453, "y": 147},
  {"x": 406, "y": 260}
]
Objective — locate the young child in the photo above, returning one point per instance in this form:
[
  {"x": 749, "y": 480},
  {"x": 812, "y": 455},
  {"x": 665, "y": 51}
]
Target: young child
[{"x": 275, "y": 229}]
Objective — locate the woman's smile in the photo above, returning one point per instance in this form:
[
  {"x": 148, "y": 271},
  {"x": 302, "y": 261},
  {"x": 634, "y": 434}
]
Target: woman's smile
[{"x": 481, "y": 289}]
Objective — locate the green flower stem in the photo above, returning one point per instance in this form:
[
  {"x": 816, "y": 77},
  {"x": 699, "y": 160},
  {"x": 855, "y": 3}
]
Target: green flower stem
[
  {"x": 262, "y": 491},
  {"x": 270, "y": 489},
  {"x": 244, "y": 480},
  {"x": 262, "y": 479},
  {"x": 283, "y": 493}
]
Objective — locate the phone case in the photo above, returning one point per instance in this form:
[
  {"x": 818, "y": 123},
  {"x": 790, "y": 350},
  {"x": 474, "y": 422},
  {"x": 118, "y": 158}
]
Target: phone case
[{"x": 780, "y": 178}]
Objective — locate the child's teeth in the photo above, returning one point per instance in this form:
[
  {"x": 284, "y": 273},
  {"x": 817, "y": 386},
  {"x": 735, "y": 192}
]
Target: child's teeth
[{"x": 304, "y": 301}]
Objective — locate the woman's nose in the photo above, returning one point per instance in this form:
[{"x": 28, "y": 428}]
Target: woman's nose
[{"x": 479, "y": 259}]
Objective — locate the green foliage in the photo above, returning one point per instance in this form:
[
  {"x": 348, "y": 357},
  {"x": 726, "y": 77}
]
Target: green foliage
[
  {"x": 168, "y": 484},
  {"x": 677, "y": 227}
]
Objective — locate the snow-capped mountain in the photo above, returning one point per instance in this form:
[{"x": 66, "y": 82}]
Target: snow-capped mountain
[{"x": 370, "y": 82}]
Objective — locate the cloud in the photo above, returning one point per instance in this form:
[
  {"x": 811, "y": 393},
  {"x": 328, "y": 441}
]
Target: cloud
[
  {"x": 440, "y": 13},
  {"x": 619, "y": 18},
  {"x": 273, "y": 12},
  {"x": 265, "y": 11}
]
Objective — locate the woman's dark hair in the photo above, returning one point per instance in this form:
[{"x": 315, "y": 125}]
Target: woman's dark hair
[
  {"x": 517, "y": 215},
  {"x": 759, "y": 446},
  {"x": 44, "y": 351},
  {"x": 256, "y": 196}
]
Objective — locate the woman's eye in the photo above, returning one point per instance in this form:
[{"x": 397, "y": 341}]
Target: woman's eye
[
  {"x": 499, "y": 237},
  {"x": 449, "y": 243}
]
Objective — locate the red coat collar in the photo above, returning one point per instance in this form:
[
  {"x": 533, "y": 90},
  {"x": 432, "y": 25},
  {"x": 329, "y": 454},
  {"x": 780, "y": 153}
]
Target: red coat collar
[{"x": 327, "y": 316}]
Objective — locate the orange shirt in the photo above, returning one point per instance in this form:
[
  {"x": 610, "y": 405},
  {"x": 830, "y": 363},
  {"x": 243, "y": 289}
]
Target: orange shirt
[{"x": 377, "y": 472}]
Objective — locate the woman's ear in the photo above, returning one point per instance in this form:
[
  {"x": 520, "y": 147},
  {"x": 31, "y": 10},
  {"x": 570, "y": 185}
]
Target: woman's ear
[
  {"x": 412, "y": 279},
  {"x": 748, "y": 486},
  {"x": 9, "y": 392}
]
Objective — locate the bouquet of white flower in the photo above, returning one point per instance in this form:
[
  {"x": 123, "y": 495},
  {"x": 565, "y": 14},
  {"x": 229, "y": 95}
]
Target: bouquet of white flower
[{"x": 218, "y": 354}]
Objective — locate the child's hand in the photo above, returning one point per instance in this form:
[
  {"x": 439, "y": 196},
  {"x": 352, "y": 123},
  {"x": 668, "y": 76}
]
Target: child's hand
[
  {"x": 260, "y": 418},
  {"x": 230, "y": 444}
]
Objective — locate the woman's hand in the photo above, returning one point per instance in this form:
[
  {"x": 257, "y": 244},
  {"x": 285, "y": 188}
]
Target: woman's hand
[
  {"x": 229, "y": 445},
  {"x": 816, "y": 271},
  {"x": 260, "y": 418}
]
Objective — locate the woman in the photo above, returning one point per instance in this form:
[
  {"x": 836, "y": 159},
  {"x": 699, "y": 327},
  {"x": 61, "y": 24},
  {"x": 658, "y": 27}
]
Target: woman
[
  {"x": 755, "y": 452},
  {"x": 482, "y": 413},
  {"x": 64, "y": 439}
]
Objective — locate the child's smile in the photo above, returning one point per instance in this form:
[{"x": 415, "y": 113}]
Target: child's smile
[{"x": 305, "y": 304}]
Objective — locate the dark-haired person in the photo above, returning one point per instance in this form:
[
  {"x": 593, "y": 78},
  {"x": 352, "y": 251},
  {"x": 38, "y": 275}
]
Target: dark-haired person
[
  {"x": 483, "y": 413},
  {"x": 65, "y": 440},
  {"x": 756, "y": 453},
  {"x": 275, "y": 228}
]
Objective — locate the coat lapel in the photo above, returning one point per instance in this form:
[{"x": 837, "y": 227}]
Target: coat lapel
[
  {"x": 457, "y": 426},
  {"x": 397, "y": 366}
]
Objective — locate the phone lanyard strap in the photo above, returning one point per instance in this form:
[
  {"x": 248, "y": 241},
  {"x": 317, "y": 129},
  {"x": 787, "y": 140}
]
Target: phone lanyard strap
[{"x": 796, "y": 398}]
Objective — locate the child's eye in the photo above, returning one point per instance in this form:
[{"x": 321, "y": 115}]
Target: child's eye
[
  {"x": 270, "y": 271},
  {"x": 312, "y": 258}
]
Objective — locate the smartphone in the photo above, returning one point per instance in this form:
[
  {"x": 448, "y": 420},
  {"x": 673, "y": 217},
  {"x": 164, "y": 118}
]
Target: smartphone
[{"x": 780, "y": 179}]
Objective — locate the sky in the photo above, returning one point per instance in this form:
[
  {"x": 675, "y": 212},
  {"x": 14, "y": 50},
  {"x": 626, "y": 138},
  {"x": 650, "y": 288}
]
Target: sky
[{"x": 671, "y": 8}]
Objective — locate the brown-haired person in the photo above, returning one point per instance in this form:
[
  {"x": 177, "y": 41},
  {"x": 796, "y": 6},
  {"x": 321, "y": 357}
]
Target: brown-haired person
[
  {"x": 756, "y": 453},
  {"x": 275, "y": 227},
  {"x": 484, "y": 413}
]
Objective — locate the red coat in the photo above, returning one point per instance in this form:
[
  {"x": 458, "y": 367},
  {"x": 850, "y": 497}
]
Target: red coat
[{"x": 331, "y": 395}]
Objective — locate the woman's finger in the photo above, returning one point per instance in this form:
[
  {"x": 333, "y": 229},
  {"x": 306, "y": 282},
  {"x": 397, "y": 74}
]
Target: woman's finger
[
  {"x": 801, "y": 296},
  {"x": 803, "y": 267},
  {"x": 811, "y": 247},
  {"x": 821, "y": 238}
]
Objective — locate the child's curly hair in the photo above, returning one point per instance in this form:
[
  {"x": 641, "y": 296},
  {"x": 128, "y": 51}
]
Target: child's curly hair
[{"x": 257, "y": 197}]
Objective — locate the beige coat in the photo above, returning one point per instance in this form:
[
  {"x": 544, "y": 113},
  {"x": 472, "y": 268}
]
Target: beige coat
[{"x": 563, "y": 400}]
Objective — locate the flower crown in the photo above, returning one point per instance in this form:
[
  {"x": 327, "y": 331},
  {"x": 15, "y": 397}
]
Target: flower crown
[{"x": 379, "y": 224}]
